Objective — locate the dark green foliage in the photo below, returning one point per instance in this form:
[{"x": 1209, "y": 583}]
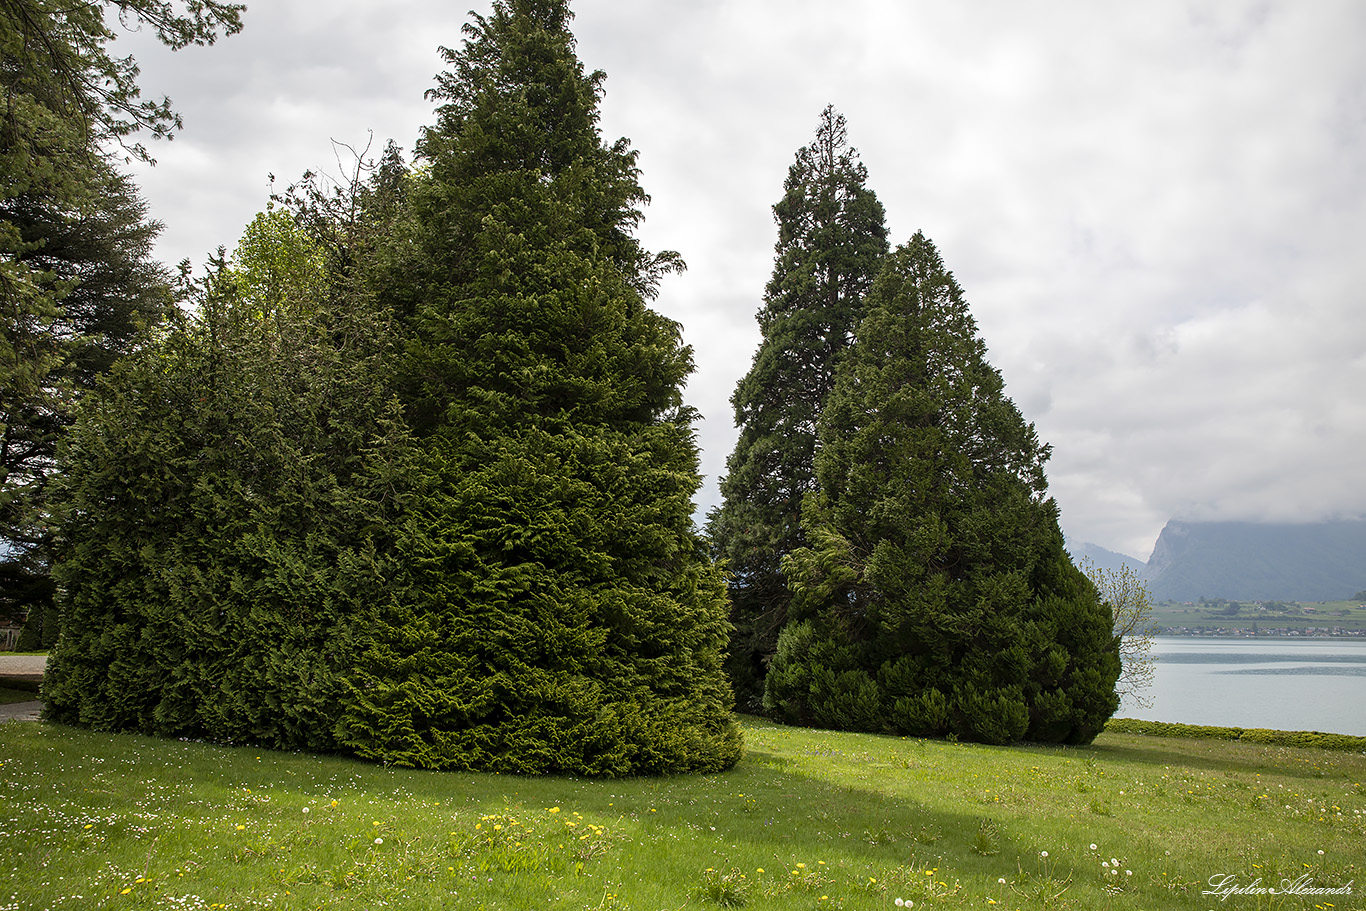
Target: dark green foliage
[
  {"x": 256, "y": 547},
  {"x": 831, "y": 240},
  {"x": 42, "y": 622},
  {"x": 935, "y": 596},
  {"x": 559, "y": 621},
  {"x": 229, "y": 494},
  {"x": 77, "y": 282},
  {"x": 57, "y": 54},
  {"x": 558, "y": 613},
  {"x": 78, "y": 287}
]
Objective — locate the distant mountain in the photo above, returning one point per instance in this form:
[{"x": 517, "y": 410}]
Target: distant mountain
[
  {"x": 1245, "y": 561},
  {"x": 1102, "y": 558}
]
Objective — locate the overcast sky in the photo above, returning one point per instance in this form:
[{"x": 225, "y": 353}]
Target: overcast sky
[{"x": 1157, "y": 210}]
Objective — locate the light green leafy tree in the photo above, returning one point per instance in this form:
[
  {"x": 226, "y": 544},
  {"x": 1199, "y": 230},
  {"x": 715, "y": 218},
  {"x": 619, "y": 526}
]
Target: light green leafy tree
[{"x": 1131, "y": 606}]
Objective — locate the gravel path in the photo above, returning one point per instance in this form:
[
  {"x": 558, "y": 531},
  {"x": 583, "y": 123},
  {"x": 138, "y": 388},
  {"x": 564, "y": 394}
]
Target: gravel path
[
  {"x": 20, "y": 711},
  {"x": 21, "y": 666},
  {"x": 13, "y": 665}
]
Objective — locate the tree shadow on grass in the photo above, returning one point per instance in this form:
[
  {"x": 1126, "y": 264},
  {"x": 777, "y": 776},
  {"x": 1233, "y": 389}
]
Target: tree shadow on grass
[{"x": 1229, "y": 756}]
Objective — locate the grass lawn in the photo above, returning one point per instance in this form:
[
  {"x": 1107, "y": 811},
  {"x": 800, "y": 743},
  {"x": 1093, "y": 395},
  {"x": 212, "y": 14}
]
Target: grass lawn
[
  {"x": 10, "y": 694},
  {"x": 808, "y": 820}
]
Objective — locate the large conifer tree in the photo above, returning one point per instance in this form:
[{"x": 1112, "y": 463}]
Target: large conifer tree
[
  {"x": 831, "y": 241},
  {"x": 560, "y": 614},
  {"x": 935, "y": 595},
  {"x": 77, "y": 286},
  {"x": 77, "y": 280}
]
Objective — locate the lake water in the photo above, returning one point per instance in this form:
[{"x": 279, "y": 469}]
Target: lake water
[{"x": 1285, "y": 684}]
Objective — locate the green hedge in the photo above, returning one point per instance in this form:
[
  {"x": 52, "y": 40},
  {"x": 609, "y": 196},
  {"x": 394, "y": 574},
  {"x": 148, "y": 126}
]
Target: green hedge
[{"x": 1311, "y": 739}]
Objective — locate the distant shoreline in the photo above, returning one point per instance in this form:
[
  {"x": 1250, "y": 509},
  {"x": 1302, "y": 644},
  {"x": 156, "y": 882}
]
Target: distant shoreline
[{"x": 1205, "y": 632}]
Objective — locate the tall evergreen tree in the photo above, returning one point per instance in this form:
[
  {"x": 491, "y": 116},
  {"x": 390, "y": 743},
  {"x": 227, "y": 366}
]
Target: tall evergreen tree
[
  {"x": 77, "y": 281},
  {"x": 559, "y": 612},
  {"x": 831, "y": 241},
  {"x": 935, "y": 595},
  {"x": 89, "y": 287}
]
